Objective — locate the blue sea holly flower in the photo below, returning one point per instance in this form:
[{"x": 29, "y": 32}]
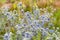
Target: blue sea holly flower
[
  {"x": 38, "y": 25},
  {"x": 48, "y": 19},
  {"x": 44, "y": 33},
  {"x": 51, "y": 31},
  {"x": 28, "y": 34},
  {"x": 34, "y": 27},
  {"x": 24, "y": 24},
  {"x": 28, "y": 15},
  {"x": 36, "y": 12},
  {"x": 50, "y": 24},
  {"x": 10, "y": 17},
  {"x": 46, "y": 29},
  {"x": 29, "y": 21},
  {"x": 18, "y": 26},
  {"x": 42, "y": 23},
  {"x": 7, "y": 36},
  {"x": 36, "y": 21}
]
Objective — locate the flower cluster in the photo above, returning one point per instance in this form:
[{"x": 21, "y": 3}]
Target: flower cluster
[{"x": 26, "y": 25}]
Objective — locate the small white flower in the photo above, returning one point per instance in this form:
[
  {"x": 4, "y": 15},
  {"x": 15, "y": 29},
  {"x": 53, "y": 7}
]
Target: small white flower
[
  {"x": 7, "y": 13},
  {"x": 22, "y": 10},
  {"x": 19, "y": 4},
  {"x": 26, "y": 39},
  {"x": 18, "y": 26},
  {"x": 9, "y": 17},
  {"x": 57, "y": 28},
  {"x": 5, "y": 8},
  {"x": 18, "y": 32},
  {"x": 36, "y": 12}
]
